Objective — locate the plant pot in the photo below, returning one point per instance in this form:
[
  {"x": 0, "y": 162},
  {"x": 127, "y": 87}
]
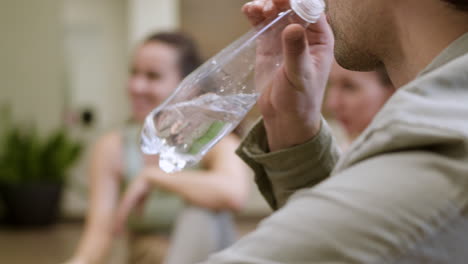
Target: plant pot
[{"x": 32, "y": 204}]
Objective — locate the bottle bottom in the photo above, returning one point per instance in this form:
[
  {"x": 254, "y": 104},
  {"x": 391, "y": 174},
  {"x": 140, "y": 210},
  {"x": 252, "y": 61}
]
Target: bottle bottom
[{"x": 170, "y": 161}]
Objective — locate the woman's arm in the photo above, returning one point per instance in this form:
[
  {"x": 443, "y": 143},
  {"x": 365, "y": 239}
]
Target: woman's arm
[
  {"x": 104, "y": 191},
  {"x": 223, "y": 185}
]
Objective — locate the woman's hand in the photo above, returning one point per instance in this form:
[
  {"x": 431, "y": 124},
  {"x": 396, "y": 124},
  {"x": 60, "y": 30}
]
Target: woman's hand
[
  {"x": 291, "y": 104},
  {"x": 133, "y": 198}
]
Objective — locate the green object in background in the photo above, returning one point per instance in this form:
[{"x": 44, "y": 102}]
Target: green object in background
[
  {"x": 33, "y": 170},
  {"x": 26, "y": 157},
  {"x": 211, "y": 133}
]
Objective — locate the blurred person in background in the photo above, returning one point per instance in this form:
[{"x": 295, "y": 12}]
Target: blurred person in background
[
  {"x": 179, "y": 218},
  {"x": 354, "y": 98}
]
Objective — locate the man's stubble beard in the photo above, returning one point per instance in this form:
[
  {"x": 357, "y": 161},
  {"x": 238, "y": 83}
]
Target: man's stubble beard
[{"x": 352, "y": 50}]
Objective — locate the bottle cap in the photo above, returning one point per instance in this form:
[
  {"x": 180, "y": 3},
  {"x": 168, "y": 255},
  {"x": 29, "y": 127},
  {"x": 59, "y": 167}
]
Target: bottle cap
[{"x": 309, "y": 10}]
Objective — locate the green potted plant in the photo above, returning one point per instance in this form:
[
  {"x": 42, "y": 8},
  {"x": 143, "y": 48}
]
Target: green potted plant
[{"x": 33, "y": 171}]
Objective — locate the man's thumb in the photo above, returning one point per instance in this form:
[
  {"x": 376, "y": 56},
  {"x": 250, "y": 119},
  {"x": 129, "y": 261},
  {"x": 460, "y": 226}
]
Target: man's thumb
[{"x": 294, "y": 46}]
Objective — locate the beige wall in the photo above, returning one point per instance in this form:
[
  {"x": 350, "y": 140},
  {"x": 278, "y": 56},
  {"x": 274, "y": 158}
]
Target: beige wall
[
  {"x": 31, "y": 60},
  {"x": 96, "y": 55},
  {"x": 148, "y": 16},
  {"x": 213, "y": 23}
]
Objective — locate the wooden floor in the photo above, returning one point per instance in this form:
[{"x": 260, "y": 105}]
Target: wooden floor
[{"x": 55, "y": 244}]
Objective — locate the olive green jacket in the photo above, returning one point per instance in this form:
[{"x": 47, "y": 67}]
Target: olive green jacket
[{"x": 398, "y": 195}]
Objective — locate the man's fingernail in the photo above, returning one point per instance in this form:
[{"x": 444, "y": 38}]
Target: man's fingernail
[{"x": 268, "y": 7}]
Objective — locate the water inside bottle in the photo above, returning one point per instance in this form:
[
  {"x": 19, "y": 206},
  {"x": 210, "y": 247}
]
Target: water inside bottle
[{"x": 183, "y": 132}]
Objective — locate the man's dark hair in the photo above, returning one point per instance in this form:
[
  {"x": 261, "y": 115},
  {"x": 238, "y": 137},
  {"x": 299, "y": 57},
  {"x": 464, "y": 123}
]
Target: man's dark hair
[
  {"x": 458, "y": 4},
  {"x": 189, "y": 57}
]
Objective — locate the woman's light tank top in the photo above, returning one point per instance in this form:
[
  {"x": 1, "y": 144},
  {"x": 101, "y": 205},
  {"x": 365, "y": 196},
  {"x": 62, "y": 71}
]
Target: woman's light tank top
[{"x": 161, "y": 208}]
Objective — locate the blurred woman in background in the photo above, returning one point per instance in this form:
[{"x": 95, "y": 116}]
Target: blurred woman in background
[
  {"x": 353, "y": 98},
  {"x": 185, "y": 214}
]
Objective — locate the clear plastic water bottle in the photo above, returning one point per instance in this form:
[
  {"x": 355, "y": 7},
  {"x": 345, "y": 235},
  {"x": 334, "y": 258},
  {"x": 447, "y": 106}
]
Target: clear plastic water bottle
[{"x": 210, "y": 102}]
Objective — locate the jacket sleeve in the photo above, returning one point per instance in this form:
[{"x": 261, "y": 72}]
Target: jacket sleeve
[
  {"x": 394, "y": 208},
  {"x": 280, "y": 174}
]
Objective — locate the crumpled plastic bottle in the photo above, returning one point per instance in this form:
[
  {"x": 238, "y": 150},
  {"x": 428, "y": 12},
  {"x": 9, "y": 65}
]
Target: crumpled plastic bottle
[{"x": 210, "y": 102}]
